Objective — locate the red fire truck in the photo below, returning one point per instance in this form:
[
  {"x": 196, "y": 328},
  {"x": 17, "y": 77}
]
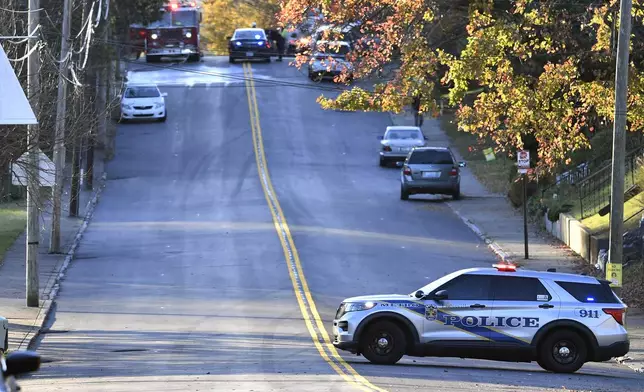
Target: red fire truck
[{"x": 176, "y": 34}]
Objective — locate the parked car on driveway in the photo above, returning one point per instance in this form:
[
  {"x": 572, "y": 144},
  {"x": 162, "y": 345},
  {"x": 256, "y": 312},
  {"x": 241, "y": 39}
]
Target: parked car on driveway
[
  {"x": 398, "y": 141},
  {"x": 143, "y": 101},
  {"x": 431, "y": 170},
  {"x": 249, "y": 44}
]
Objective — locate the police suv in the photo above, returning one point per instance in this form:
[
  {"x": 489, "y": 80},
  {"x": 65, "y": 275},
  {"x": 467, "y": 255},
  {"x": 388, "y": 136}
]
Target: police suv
[{"x": 502, "y": 313}]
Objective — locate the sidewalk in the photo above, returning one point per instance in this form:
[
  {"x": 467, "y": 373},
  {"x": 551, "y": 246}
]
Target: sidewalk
[
  {"x": 24, "y": 322},
  {"x": 492, "y": 217}
]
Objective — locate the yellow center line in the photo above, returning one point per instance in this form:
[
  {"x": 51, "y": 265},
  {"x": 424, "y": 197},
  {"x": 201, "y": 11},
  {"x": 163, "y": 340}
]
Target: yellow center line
[{"x": 303, "y": 295}]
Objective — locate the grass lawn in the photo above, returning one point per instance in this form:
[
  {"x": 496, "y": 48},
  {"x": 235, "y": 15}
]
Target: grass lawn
[
  {"x": 632, "y": 209},
  {"x": 13, "y": 218},
  {"x": 494, "y": 174}
]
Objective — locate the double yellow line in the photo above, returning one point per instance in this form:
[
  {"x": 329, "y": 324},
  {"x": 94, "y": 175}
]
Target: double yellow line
[{"x": 300, "y": 286}]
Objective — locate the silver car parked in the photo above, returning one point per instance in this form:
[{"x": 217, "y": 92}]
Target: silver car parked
[
  {"x": 398, "y": 141},
  {"x": 431, "y": 170}
]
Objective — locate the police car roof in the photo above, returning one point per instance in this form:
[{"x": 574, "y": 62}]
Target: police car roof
[{"x": 533, "y": 274}]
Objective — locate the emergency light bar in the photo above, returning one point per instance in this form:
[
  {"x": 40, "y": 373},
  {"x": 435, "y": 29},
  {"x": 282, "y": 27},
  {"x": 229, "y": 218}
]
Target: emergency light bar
[{"x": 505, "y": 267}]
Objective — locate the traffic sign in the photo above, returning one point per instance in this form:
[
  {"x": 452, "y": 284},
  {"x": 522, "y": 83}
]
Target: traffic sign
[
  {"x": 614, "y": 274},
  {"x": 523, "y": 161},
  {"x": 14, "y": 105}
]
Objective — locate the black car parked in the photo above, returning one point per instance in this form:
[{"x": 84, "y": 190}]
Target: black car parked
[{"x": 249, "y": 44}]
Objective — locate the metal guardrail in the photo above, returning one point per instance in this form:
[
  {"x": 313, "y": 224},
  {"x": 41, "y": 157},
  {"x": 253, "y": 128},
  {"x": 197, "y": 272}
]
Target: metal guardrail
[{"x": 593, "y": 189}]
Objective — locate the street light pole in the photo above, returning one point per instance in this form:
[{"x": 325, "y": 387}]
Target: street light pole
[
  {"x": 619, "y": 140},
  {"x": 59, "y": 138}
]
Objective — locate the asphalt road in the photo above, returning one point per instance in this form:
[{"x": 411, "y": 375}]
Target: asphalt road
[{"x": 182, "y": 282}]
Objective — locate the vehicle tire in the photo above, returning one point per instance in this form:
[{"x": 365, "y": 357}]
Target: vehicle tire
[
  {"x": 152, "y": 59},
  {"x": 384, "y": 343},
  {"x": 457, "y": 194},
  {"x": 164, "y": 118},
  {"x": 267, "y": 60},
  {"x": 382, "y": 163},
  {"x": 5, "y": 345},
  {"x": 193, "y": 58},
  {"x": 404, "y": 193},
  {"x": 123, "y": 120},
  {"x": 231, "y": 60},
  {"x": 562, "y": 351}
]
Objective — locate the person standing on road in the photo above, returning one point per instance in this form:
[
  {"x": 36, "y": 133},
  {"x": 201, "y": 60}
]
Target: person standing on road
[
  {"x": 418, "y": 115},
  {"x": 279, "y": 39}
]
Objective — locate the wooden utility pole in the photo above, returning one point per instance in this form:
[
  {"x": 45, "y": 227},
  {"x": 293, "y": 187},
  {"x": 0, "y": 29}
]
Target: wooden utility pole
[
  {"x": 619, "y": 139},
  {"x": 33, "y": 171},
  {"x": 59, "y": 138}
]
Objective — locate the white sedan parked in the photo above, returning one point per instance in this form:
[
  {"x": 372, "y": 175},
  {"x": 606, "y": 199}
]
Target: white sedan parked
[{"x": 143, "y": 102}]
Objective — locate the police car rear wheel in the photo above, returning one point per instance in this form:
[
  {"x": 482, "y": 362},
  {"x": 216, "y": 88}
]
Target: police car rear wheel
[
  {"x": 563, "y": 351},
  {"x": 384, "y": 343}
]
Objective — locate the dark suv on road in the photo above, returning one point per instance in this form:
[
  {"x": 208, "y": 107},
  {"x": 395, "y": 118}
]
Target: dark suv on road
[
  {"x": 249, "y": 44},
  {"x": 432, "y": 170}
]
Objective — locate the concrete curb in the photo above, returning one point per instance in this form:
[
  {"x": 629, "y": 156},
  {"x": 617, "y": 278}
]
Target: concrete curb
[
  {"x": 494, "y": 247},
  {"x": 36, "y": 329}
]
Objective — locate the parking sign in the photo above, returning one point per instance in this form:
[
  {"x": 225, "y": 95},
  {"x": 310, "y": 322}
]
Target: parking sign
[{"x": 523, "y": 161}]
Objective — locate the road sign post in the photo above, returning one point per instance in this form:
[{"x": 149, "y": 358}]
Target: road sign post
[{"x": 523, "y": 164}]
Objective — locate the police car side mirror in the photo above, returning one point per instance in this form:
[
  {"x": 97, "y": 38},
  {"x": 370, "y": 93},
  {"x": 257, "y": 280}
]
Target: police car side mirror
[
  {"x": 419, "y": 294},
  {"x": 229, "y": 38},
  {"x": 440, "y": 295}
]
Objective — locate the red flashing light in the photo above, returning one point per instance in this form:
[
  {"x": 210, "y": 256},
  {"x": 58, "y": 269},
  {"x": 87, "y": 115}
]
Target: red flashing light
[
  {"x": 174, "y": 6},
  {"x": 618, "y": 314},
  {"x": 505, "y": 267}
]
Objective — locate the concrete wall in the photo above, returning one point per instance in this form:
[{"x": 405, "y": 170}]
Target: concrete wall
[{"x": 575, "y": 235}]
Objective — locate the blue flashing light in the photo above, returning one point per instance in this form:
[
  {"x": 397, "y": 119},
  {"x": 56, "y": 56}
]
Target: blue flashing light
[{"x": 590, "y": 299}]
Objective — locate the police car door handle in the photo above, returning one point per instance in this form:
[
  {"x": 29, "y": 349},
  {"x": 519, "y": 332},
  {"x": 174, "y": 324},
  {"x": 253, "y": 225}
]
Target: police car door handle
[
  {"x": 477, "y": 306},
  {"x": 546, "y": 306}
]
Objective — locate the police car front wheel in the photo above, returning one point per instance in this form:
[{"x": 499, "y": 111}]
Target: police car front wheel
[
  {"x": 562, "y": 351},
  {"x": 384, "y": 343}
]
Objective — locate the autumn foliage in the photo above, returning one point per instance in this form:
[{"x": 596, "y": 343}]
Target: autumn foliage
[
  {"x": 222, "y": 17},
  {"x": 542, "y": 70}
]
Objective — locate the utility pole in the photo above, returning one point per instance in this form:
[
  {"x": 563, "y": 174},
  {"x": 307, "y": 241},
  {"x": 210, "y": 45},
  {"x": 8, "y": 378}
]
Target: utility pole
[
  {"x": 619, "y": 140},
  {"x": 59, "y": 138},
  {"x": 33, "y": 172}
]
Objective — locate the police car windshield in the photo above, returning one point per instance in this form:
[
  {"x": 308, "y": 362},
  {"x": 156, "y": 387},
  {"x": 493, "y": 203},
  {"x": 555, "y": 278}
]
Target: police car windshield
[
  {"x": 437, "y": 283},
  {"x": 249, "y": 34}
]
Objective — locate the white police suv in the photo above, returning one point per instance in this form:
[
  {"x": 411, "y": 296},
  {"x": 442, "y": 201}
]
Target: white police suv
[{"x": 502, "y": 313}]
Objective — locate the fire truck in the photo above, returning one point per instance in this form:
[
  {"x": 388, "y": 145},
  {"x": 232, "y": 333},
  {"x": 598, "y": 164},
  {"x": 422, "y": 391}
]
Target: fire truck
[{"x": 176, "y": 34}]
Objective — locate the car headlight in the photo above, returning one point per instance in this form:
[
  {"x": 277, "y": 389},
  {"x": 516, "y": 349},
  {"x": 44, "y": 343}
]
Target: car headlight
[
  {"x": 159, "y": 105},
  {"x": 188, "y": 35},
  {"x": 354, "y": 307},
  {"x": 124, "y": 106},
  {"x": 154, "y": 36}
]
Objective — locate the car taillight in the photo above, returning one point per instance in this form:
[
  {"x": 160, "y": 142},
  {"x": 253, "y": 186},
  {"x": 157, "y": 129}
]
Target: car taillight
[
  {"x": 407, "y": 171},
  {"x": 618, "y": 315},
  {"x": 386, "y": 148},
  {"x": 453, "y": 172}
]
